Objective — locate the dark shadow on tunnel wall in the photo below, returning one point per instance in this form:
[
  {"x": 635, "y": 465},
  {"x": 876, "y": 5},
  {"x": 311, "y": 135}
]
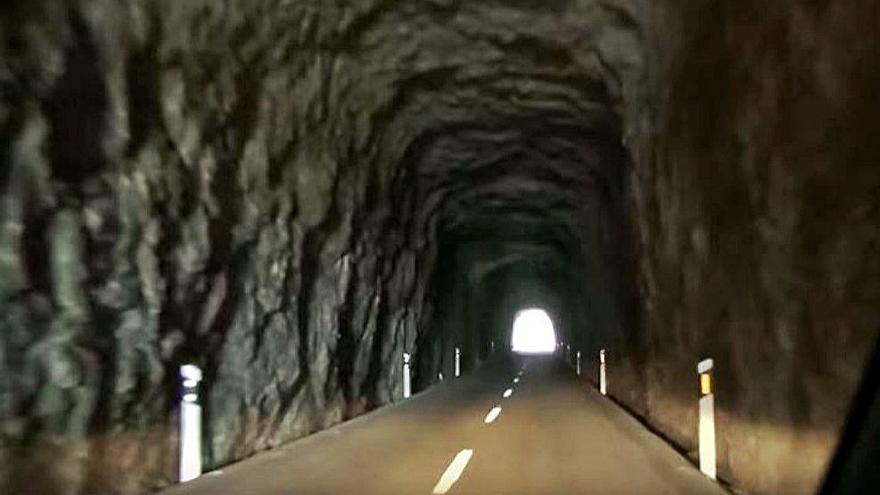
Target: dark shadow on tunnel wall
[{"x": 855, "y": 467}]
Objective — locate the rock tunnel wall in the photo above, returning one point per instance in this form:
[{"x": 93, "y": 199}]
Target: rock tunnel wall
[
  {"x": 291, "y": 194},
  {"x": 757, "y": 197},
  {"x": 256, "y": 187}
]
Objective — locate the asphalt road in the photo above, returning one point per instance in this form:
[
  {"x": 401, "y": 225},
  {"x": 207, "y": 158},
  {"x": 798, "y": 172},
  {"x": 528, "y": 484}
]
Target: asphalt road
[{"x": 552, "y": 435}]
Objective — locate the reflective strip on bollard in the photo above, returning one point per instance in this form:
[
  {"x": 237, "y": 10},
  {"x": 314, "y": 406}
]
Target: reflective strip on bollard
[{"x": 707, "y": 419}]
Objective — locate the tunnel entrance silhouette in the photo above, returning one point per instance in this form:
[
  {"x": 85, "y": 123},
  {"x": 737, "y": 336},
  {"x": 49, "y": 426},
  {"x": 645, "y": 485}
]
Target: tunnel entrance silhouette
[{"x": 533, "y": 332}]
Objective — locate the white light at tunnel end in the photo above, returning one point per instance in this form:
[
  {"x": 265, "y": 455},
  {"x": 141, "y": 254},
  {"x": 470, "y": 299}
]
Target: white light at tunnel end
[{"x": 533, "y": 332}]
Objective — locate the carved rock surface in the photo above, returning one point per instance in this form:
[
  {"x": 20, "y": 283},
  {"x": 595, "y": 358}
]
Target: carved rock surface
[
  {"x": 292, "y": 193},
  {"x": 759, "y": 224}
]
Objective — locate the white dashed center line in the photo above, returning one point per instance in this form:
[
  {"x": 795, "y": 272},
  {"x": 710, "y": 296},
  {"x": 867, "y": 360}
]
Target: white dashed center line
[
  {"x": 507, "y": 393},
  {"x": 493, "y": 414},
  {"x": 453, "y": 471}
]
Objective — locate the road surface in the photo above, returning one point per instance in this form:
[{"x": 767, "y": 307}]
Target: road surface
[{"x": 551, "y": 435}]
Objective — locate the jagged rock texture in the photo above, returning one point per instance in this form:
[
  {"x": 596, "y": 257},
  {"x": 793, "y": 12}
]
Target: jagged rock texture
[{"x": 292, "y": 193}]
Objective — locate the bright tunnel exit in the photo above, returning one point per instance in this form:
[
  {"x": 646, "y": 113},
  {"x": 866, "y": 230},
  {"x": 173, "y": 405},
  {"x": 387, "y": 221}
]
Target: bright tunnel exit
[{"x": 533, "y": 332}]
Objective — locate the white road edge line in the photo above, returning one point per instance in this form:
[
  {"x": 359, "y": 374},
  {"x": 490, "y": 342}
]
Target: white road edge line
[
  {"x": 493, "y": 414},
  {"x": 453, "y": 471},
  {"x": 507, "y": 393}
]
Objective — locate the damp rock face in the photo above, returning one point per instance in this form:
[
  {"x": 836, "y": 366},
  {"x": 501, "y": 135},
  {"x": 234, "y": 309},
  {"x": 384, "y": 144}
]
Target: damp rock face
[
  {"x": 759, "y": 223},
  {"x": 290, "y": 194}
]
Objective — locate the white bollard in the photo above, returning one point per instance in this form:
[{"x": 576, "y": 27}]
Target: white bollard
[
  {"x": 190, "y": 424},
  {"x": 492, "y": 347},
  {"x": 707, "y": 419},
  {"x": 407, "y": 379},
  {"x": 457, "y": 361},
  {"x": 603, "y": 373},
  {"x": 578, "y": 363}
]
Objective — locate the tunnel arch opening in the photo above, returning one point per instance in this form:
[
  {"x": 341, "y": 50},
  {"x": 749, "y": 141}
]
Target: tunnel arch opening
[{"x": 533, "y": 332}]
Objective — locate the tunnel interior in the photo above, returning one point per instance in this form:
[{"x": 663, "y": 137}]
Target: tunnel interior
[
  {"x": 292, "y": 195},
  {"x": 484, "y": 283},
  {"x": 524, "y": 197}
]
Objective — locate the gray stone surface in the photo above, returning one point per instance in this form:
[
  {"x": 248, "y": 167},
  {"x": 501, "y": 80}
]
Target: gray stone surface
[{"x": 291, "y": 193}]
